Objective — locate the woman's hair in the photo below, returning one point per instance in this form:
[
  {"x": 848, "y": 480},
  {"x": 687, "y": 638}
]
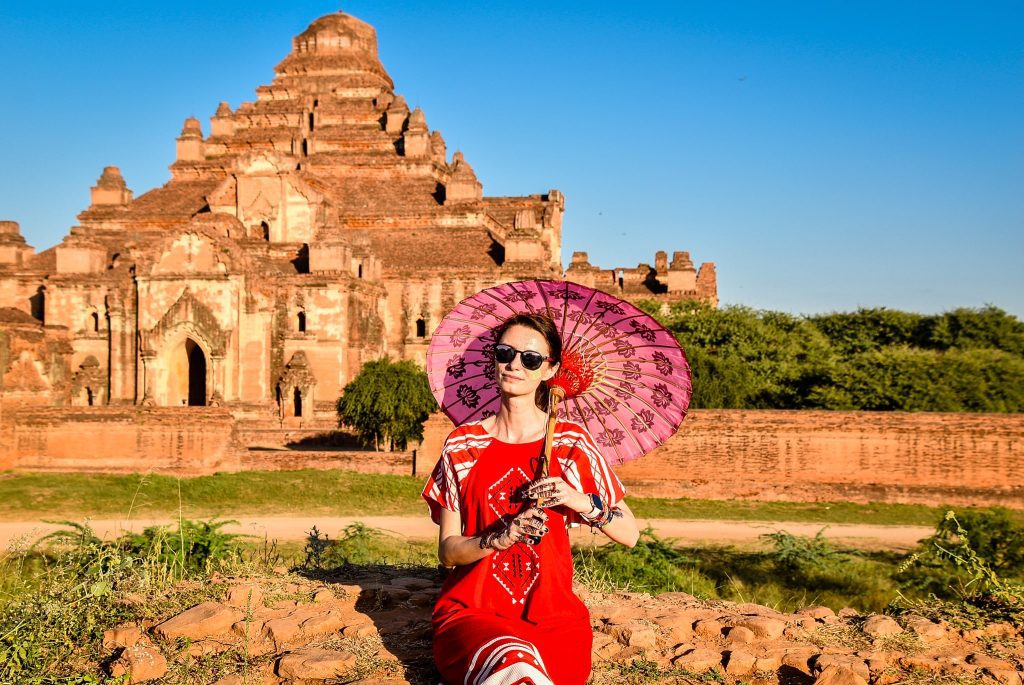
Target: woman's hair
[{"x": 546, "y": 327}]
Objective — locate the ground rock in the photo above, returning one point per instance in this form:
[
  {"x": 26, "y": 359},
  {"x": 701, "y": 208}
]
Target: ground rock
[
  {"x": 1003, "y": 676},
  {"x": 413, "y": 583},
  {"x": 739, "y": 663},
  {"x": 800, "y": 659},
  {"x": 639, "y": 636},
  {"x": 839, "y": 675},
  {"x": 880, "y": 626},
  {"x": 248, "y": 596},
  {"x": 817, "y": 612},
  {"x": 769, "y": 662},
  {"x": 679, "y": 627},
  {"x": 324, "y": 596},
  {"x": 395, "y": 593},
  {"x": 850, "y": 663},
  {"x": 359, "y": 630},
  {"x": 928, "y": 631},
  {"x": 922, "y": 662},
  {"x": 142, "y": 663},
  {"x": 326, "y": 622},
  {"x": 762, "y": 626},
  {"x": 604, "y": 647},
  {"x": 740, "y": 635},
  {"x": 201, "y": 621},
  {"x": 315, "y": 664},
  {"x": 288, "y": 629},
  {"x": 985, "y": 661},
  {"x": 698, "y": 660},
  {"x": 709, "y": 628},
  {"x": 999, "y": 630},
  {"x": 121, "y": 636}
]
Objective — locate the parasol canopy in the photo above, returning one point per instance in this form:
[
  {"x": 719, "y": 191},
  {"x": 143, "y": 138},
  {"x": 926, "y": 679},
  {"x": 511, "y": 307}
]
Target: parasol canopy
[{"x": 626, "y": 379}]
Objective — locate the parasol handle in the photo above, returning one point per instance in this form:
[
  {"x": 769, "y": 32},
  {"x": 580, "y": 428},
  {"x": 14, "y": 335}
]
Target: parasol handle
[{"x": 555, "y": 395}]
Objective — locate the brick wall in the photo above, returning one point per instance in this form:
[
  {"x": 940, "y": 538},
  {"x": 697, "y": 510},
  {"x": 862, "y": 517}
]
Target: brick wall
[
  {"x": 855, "y": 456},
  {"x": 718, "y": 454},
  {"x": 923, "y": 458},
  {"x": 112, "y": 439}
]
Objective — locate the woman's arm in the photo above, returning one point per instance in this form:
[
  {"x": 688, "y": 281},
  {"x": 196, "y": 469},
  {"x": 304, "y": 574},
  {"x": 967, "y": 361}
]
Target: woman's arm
[
  {"x": 623, "y": 529},
  {"x": 455, "y": 549}
]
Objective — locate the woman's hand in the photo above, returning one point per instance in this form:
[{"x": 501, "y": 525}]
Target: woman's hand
[
  {"x": 553, "y": 491},
  {"x": 530, "y": 522}
]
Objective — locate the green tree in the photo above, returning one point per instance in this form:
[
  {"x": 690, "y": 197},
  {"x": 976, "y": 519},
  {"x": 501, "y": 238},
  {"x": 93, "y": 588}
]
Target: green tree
[{"x": 387, "y": 402}]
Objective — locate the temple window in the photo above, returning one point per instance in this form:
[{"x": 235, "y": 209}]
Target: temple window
[
  {"x": 94, "y": 319},
  {"x": 311, "y": 122},
  {"x": 88, "y": 396},
  {"x": 360, "y": 270},
  {"x": 298, "y": 402},
  {"x": 265, "y": 227},
  {"x": 302, "y": 322},
  {"x": 421, "y": 328}
]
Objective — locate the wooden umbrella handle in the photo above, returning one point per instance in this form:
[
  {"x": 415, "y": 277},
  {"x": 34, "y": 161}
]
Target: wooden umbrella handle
[{"x": 556, "y": 395}]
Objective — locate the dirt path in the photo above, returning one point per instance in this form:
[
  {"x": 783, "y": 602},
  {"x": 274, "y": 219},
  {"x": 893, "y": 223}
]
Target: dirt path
[{"x": 685, "y": 531}]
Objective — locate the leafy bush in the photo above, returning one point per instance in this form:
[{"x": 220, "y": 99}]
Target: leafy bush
[
  {"x": 970, "y": 575},
  {"x": 388, "y": 401},
  {"x": 361, "y": 545},
  {"x": 654, "y": 565},
  {"x": 799, "y": 552}
]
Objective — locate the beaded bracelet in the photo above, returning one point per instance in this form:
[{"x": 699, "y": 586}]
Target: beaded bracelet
[{"x": 606, "y": 518}]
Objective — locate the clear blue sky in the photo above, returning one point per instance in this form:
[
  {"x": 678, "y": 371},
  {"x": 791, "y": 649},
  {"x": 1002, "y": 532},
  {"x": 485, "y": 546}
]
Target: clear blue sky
[{"x": 826, "y": 155}]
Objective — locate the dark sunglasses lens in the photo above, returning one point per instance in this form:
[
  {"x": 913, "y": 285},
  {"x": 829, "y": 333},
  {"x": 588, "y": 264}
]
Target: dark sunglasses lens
[
  {"x": 532, "y": 360},
  {"x": 504, "y": 353}
]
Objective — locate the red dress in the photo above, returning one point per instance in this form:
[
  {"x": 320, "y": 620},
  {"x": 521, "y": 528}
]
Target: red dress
[{"x": 512, "y": 616}]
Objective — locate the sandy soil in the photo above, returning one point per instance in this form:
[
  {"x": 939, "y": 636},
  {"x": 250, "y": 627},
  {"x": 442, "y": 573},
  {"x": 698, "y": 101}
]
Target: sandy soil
[{"x": 685, "y": 531}]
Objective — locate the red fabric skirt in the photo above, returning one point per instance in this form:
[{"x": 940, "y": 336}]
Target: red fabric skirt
[{"x": 473, "y": 648}]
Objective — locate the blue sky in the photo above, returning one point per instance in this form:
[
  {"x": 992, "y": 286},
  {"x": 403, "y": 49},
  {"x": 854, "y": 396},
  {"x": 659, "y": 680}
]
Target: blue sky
[{"x": 826, "y": 155}]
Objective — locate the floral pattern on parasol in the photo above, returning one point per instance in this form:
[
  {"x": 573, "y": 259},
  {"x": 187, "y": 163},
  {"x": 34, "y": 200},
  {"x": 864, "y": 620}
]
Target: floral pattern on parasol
[{"x": 626, "y": 378}]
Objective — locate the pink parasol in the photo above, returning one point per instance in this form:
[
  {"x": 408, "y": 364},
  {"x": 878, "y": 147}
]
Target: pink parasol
[{"x": 624, "y": 376}]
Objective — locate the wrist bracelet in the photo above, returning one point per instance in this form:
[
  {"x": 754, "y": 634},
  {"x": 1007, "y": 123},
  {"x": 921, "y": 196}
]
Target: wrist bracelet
[
  {"x": 596, "y": 511},
  {"x": 611, "y": 514},
  {"x": 486, "y": 539}
]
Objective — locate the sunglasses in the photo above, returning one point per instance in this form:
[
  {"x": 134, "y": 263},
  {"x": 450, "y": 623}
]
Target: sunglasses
[{"x": 532, "y": 361}]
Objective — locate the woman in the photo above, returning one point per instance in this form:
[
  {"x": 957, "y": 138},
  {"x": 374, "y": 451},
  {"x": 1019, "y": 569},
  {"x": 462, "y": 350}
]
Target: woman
[{"x": 507, "y": 613}]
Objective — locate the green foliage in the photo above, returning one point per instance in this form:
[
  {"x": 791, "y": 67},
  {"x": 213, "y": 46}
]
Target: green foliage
[
  {"x": 58, "y": 603},
  {"x": 387, "y": 401},
  {"x": 873, "y": 359},
  {"x": 972, "y": 569},
  {"x": 194, "y": 549},
  {"x": 654, "y": 565},
  {"x": 795, "y": 553},
  {"x": 361, "y": 545}
]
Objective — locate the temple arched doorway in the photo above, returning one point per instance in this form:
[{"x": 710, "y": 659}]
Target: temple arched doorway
[{"x": 196, "y": 374}]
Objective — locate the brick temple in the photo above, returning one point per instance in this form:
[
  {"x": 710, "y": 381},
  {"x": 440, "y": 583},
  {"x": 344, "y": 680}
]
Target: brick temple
[{"x": 318, "y": 227}]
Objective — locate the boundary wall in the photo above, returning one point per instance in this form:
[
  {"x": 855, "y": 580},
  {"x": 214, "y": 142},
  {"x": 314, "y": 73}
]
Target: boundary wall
[{"x": 924, "y": 458}]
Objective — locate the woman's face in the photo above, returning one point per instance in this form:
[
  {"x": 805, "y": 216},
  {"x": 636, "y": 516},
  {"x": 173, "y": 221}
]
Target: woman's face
[{"x": 513, "y": 378}]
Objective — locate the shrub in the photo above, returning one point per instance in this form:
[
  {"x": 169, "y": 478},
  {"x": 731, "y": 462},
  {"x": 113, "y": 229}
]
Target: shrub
[
  {"x": 388, "y": 401},
  {"x": 966, "y": 585},
  {"x": 654, "y": 565}
]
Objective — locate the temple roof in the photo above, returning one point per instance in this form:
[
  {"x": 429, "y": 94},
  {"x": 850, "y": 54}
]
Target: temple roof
[{"x": 337, "y": 48}]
